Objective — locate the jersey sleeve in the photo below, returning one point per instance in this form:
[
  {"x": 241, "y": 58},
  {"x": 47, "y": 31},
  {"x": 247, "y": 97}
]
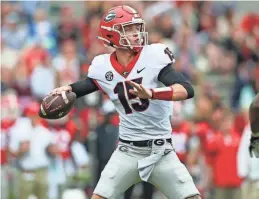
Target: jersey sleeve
[
  {"x": 160, "y": 56},
  {"x": 163, "y": 55},
  {"x": 96, "y": 71},
  {"x": 96, "y": 67}
]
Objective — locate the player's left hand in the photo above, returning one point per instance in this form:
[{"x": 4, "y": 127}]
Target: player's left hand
[
  {"x": 140, "y": 91},
  {"x": 254, "y": 146}
]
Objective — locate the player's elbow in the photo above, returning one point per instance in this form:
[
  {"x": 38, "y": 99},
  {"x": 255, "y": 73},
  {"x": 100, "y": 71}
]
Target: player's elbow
[{"x": 189, "y": 89}]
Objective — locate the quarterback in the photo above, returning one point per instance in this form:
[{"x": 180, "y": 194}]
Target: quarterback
[{"x": 141, "y": 82}]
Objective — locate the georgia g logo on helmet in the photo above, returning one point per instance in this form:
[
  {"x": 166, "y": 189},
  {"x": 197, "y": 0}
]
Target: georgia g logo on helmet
[{"x": 110, "y": 16}]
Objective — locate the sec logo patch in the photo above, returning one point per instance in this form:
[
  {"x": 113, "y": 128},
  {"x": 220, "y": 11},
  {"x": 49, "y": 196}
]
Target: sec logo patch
[{"x": 109, "y": 76}]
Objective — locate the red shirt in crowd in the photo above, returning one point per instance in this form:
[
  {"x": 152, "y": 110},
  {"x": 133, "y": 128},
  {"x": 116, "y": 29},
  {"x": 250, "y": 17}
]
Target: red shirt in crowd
[
  {"x": 64, "y": 135},
  {"x": 239, "y": 123},
  {"x": 205, "y": 132},
  {"x": 6, "y": 124},
  {"x": 224, "y": 150},
  {"x": 35, "y": 56},
  {"x": 180, "y": 138}
]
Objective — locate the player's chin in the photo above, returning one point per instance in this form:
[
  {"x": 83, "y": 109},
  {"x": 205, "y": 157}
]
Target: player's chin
[{"x": 136, "y": 43}]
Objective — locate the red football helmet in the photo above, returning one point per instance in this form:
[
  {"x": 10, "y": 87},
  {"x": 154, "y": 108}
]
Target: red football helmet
[{"x": 112, "y": 28}]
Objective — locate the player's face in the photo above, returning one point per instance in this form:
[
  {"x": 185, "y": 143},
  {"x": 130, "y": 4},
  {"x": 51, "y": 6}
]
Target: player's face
[{"x": 132, "y": 33}]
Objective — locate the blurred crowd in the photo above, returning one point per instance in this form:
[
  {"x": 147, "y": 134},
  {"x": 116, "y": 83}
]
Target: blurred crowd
[{"x": 215, "y": 47}]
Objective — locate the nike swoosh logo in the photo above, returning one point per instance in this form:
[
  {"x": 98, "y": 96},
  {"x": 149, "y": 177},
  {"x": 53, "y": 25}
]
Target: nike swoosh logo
[
  {"x": 47, "y": 105},
  {"x": 139, "y": 71}
]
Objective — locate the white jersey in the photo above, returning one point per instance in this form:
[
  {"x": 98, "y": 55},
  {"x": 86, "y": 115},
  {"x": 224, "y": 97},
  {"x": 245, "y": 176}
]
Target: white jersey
[{"x": 140, "y": 119}]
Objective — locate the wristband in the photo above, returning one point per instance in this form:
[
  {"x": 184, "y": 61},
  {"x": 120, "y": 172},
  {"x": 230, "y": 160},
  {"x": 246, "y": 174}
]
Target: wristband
[{"x": 165, "y": 93}]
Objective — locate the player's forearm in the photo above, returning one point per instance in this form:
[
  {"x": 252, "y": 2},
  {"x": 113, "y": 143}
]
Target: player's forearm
[
  {"x": 179, "y": 92},
  {"x": 175, "y": 92},
  {"x": 182, "y": 91},
  {"x": 181, "y": 87},
  {"x": 84, "y": 87}
]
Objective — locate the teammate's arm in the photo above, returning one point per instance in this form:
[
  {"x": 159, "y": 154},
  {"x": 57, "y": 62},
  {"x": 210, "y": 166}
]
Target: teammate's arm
[
  {"x": 80, "y": 88},
  {"x": 254, "y": 123}
]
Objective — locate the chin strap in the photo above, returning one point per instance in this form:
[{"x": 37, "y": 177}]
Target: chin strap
[{"x": 107, "y": 42}]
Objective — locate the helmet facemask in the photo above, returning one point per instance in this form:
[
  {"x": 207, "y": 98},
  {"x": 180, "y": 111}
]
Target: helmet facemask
[
  {"x": 141, "y": 35},
  {"x": 123, "y": 35}
]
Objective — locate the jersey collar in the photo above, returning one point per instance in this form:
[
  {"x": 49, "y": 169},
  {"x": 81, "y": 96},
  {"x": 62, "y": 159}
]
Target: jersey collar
[{"x": 123, "y": 71}]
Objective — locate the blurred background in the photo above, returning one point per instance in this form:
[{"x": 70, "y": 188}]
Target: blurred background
[{"x": 49, "y": 44}]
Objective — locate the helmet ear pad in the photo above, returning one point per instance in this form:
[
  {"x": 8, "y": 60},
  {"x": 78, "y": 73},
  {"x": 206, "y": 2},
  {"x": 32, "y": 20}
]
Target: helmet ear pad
[{"x": 113, "y": 37}]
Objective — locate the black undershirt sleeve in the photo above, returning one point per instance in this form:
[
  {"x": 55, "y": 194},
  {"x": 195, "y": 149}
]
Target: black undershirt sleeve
[
  {"x": 84, "y": 87},
  {"x": 168, "y": 76}
]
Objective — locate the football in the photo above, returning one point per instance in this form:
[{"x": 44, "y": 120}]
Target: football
[{"x": 57, "y": 106}]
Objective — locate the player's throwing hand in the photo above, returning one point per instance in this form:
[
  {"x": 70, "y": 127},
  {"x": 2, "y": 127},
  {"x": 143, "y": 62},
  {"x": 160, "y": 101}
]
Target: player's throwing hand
[
  {"x": 58, "y": 91},
  {"x": 140, "y": 91}
]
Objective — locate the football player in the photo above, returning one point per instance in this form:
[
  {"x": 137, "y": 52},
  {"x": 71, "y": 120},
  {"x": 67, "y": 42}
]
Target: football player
[
  {"x": 142, "y": 83},
  {"x": 254, "y": 123}
]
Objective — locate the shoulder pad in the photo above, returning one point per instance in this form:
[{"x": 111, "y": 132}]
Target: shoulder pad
[
  {"x": 161, "y": 54},
  {"x": 96, "y": 66}
]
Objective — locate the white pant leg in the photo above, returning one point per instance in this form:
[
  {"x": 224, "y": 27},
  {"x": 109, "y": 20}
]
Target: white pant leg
[
  {"x": 172, "y": 178},
  {"x": 4, "y": 182},
  {"x": 119, "y": 174}
]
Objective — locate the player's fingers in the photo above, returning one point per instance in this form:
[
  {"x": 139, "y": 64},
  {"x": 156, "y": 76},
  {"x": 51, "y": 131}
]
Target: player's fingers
[
  {"x": 59, "y": 91},
  {"x": 142, "y": 87},
  {"x": 131, "y": 83},
  {"x": 133, "y": 92},
  {"x": 54, "y": 92},
  {"x": 67, "y": 88},
  {"x": 135, "y": 85}
]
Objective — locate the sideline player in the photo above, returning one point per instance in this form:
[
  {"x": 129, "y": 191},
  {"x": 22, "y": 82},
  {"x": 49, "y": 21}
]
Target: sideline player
[
  {"x": 254, "y": 123},
  {"x": 141, "y": 82}
]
